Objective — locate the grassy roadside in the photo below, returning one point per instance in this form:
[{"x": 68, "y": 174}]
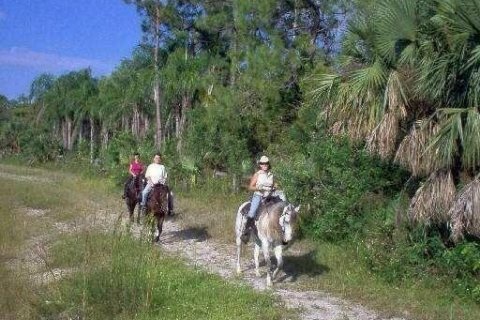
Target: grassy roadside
[
  {"x": 106, "y": 275},
  {"x": 335, "y": 268}
]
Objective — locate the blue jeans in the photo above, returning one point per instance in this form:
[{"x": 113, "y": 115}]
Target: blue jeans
[
  {"x": 254, "y": 204},
  {"x": 145, "y": 193}
]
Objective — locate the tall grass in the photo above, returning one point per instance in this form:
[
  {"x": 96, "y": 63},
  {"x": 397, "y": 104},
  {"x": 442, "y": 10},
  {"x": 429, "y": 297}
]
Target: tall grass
[{"x": 123, "y": 278}]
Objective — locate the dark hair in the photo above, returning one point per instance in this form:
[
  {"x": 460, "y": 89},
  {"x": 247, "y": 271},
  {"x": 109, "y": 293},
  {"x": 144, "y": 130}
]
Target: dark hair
[
  {"x": 158, "y": 154},
  {"x": 136, "y": 154}
]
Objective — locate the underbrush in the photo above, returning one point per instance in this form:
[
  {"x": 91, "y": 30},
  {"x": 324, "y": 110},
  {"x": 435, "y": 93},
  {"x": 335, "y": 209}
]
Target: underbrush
[{"x": 118, "y": 277}]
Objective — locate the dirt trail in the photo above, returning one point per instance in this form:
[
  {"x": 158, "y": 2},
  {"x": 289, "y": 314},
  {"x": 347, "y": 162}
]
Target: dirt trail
[
  {"x": 220, "y": 258},
  {"x": 200, "y": 251}
]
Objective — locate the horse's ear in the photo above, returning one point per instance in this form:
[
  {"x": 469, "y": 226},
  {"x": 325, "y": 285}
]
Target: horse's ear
[{"x": 297, "y": 209}]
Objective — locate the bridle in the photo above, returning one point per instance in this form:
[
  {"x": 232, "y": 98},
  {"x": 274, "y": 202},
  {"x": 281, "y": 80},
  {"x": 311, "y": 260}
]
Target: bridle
[{"x": 286, "y": 213}]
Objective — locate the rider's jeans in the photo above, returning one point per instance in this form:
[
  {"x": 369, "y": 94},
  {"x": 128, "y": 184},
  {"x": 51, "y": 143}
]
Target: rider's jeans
[
  {"x": 145, "y": 193},
  {"x": 254, "y": 204}
]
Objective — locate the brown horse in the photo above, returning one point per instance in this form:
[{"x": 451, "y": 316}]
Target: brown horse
[
  {"x": 157, "y": 204},
  {"x": 133, "y": 195}
]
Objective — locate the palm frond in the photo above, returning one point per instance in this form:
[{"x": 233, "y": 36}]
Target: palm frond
[
  {"x": 465, "y": 212},
  {"x": 396, "y": 94},
  {"x": 432, "y": 200},
  {"x": 412, "y": 152},
  {"x": 371, "y": 78},
  {"x": 382, "y": 140},
  {"x": 445, "y": 142},
  {"x": 471, "y": 140},
  {"x": 474, "y": 57},
  {"x": 396, "y": 25}
]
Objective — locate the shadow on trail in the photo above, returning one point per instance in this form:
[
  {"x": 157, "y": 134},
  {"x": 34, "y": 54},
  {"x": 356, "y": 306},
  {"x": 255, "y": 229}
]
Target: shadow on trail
[
  {"x": 303, "y": 265},
  {"x": 199, "y": 234}
]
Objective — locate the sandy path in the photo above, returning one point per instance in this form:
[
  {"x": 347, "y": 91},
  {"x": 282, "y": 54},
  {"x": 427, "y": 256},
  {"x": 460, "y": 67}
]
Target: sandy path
[{"x": 221, "y": 259}]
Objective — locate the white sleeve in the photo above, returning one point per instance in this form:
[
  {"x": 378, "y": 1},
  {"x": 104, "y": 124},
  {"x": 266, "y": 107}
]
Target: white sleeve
[{"x": 148, "y": 172}]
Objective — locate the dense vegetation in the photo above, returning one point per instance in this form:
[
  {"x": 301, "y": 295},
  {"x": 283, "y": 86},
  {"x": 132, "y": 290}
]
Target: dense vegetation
[{"x": 374, "y": 129}]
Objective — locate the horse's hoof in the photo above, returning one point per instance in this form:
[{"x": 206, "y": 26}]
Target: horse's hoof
[
  {"x": 157, "y": 239},
  {"x": 258, "y": 274},
  {"x": 239, "y": 271}
]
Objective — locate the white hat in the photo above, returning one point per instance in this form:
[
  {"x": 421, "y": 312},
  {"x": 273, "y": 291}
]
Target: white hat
[{"x": 263, "y": 159}]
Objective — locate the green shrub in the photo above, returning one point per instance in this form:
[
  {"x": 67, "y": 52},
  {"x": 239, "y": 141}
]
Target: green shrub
[{"x": 338, "y": 185}]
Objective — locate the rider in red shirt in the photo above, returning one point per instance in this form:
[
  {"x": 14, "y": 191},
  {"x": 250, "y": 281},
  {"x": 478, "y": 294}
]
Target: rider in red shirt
[{"x": 135, "y": 168}]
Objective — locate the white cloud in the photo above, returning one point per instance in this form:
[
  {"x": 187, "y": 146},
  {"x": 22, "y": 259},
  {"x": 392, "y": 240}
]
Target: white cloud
[{"x": 48, "y": 62}]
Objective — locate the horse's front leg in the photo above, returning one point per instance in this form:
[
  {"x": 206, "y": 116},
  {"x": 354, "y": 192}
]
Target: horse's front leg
[
  {"x": 159, "y": 227},
  {"x": 266, "y": 255},
  {"x": 256, "y": 256},
  {"x": 278, "y": 254},
  {"x": 139, "y": 212},
  {"x": 131, "y": 209}
]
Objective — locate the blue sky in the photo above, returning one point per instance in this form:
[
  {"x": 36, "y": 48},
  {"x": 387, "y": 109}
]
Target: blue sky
[{"x": 57, "y": 36}]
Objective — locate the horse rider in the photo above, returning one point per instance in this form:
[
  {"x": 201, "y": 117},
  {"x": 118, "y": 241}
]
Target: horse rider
[
  {"x": 155, "y": 174},
  {"x": 262, "y": 183},
  {"x": 135, "y": 169}
]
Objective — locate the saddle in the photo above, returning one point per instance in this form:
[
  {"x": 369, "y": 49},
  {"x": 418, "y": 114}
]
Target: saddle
[
  {"x": 267, "y": 201},
  {"x": 156, "y": 186}
]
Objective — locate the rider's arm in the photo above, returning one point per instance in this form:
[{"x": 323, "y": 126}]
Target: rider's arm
[
  {"x": 148, "y": 177},
  {"x": 253, "y": 182},
  {"x": 130, "y": 170}
]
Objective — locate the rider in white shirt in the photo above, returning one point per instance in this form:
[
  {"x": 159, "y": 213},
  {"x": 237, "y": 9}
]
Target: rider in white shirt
[
  {"x": 263, "y": 185},
  {"x": 156, "y": 173}
]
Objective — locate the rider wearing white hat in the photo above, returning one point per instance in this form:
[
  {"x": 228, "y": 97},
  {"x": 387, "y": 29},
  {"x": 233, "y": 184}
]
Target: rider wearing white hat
[{"x": 262, "y": 183}]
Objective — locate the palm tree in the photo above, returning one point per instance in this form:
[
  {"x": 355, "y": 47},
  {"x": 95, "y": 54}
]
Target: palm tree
[{"x": 409, "y": 87}]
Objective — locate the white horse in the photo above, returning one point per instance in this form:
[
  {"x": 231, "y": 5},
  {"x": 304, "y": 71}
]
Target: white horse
[{"x": 274, "y": 228}]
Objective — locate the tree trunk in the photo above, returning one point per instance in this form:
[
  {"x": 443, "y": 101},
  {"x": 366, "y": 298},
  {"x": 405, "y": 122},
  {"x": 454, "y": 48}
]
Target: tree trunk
[
  {"x": 104, "y": 136},
  {"x": 136, "y": 121},
  {"x": 92, "y": 139},
  {"x": 64, "y": 134},
  {"x": 74, "y": 129},
  {"x": 233, "y": 49},
  {"x": 178, "y": 115},
  {"x": 186, "y": 103},
  {"x": 69, "y": 133},
  {"x": 295, "y": 20},
  {"x": 146, "y": 125},
  {"x": 80, "y": 132},
  {"x": 156, "y": 85}
]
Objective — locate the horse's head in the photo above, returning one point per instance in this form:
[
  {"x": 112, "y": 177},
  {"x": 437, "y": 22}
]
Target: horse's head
[
  {"x": 158, "y": 201},
  {"x": 287, "y": 221}
]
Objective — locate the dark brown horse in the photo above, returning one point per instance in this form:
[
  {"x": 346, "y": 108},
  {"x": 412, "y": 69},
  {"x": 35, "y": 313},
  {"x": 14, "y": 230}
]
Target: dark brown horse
[
  {"x": 133, "y": 195},
  {"x": 157, "y": 204}
]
